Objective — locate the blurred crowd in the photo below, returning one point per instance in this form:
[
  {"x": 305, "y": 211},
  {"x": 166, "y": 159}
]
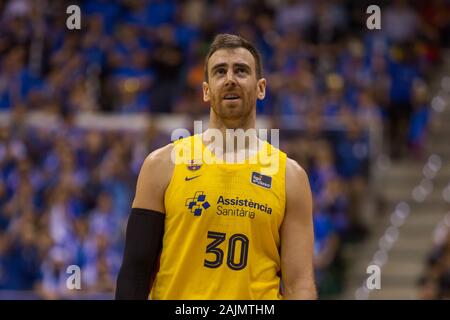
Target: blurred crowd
[
  {"x": 65, "y": 192},
  {"x": 65, "y": 195}
]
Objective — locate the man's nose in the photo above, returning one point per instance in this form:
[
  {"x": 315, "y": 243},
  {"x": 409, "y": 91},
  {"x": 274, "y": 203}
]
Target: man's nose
[{"x": 230, "y": 78}]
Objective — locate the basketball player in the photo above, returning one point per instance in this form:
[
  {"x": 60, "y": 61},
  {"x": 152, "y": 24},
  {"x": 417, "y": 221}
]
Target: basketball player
[{"x": 223, "y": 230}]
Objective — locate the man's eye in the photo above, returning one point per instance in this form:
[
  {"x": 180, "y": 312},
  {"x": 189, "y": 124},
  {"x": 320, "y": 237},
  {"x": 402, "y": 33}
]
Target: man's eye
[
  {"x": 241, "y": 70},
  {"x": 220, "y": 71}
]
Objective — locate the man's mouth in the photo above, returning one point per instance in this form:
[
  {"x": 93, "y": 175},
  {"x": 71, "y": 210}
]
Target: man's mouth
[{"x": 231, "y": 96}]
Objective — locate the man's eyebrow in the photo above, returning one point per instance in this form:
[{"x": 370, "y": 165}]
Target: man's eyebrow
[
  {"x": 217, "y": 66},
  {"x": 242, "y": 65},
  {"x": 237, "y": 64}
]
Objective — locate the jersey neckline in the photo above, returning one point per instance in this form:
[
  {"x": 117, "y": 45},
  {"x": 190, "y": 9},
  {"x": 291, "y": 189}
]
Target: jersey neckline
[{"x": 252, "y": 160}]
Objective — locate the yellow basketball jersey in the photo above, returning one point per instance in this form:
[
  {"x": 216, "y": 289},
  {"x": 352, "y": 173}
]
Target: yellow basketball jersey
[{"x": 221, "y": 237}]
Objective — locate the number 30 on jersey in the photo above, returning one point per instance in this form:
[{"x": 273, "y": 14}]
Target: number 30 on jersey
[{"x": 213, "y": 248}]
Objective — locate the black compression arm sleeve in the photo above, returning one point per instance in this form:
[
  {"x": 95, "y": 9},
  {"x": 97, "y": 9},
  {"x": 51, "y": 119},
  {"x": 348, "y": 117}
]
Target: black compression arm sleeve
[{"x": 142, "y": 246}]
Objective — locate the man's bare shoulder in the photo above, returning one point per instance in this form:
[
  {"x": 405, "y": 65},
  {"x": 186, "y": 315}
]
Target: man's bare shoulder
[
  {"x": 159, "y": 163},
  {"x": 297, "y": 182},
  {"x": 294, "y": 171},
  {"x": 160, "y": 156},
  {"x": 154, "y": 177}
]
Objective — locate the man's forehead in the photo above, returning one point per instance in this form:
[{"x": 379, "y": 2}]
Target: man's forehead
[{"x": 232, "y": 56}]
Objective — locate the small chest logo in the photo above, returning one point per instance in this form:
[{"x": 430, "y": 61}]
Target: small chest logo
[
  {"x": 197, "y": 203},
  {"x": 194, "y": 165},
  {"x": 262, "y": 180},
  {"x": 191, "y": 178}
]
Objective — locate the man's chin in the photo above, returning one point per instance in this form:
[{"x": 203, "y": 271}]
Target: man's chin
[
  {"x": 232, "y": 103},
  {"x": 232, "y": 113}
]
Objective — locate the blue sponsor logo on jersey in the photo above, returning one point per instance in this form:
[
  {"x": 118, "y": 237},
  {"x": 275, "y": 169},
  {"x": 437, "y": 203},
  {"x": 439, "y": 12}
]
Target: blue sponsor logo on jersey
[
  {"x": 262, "y": 180},
  {"x": 197, "y": 203}
]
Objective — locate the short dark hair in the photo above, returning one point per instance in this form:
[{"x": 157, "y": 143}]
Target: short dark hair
[{"x": 231, "y": 41}]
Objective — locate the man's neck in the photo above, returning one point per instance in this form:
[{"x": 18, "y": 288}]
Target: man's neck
[
  {"x": 240, "y": 134},
  {"x": 246, "y": 123}
]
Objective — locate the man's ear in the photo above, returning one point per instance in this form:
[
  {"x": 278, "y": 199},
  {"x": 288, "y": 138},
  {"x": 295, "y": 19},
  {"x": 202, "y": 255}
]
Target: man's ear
[
  {"x": 261, "y": 88},
  {"x": 206, "y": 92}
]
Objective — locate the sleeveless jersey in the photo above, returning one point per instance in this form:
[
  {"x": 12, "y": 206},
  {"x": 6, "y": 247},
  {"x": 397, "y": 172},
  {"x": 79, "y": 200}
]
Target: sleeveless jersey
[{"x": 222, "y": 222}]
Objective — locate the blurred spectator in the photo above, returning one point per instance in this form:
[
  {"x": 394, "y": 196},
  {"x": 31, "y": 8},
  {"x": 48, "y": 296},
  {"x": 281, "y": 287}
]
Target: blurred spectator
[
  {"x": 103, "y": 220},
  {"x": 54, "y": 276},
  {"x": 296, "y": 15},
  {"x": 404, "y": 76},
  {"x": 102, "y": 266},
  {"x": 419, "y": 121},
  {"x": 167, "y": 62},
  {"x": 326, "y": 256},
  {"x": 401, "y": 22},
  {"x": 352, "y": 161},
  {"x": 322, "y": 169},
  {"x": 434, "y": 283},
  {"x": 368, "y": 112}
]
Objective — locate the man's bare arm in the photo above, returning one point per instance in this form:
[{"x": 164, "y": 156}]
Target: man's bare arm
[
  {"x": 297, "y": 236},
  {"x": 145, "y": 228}
]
